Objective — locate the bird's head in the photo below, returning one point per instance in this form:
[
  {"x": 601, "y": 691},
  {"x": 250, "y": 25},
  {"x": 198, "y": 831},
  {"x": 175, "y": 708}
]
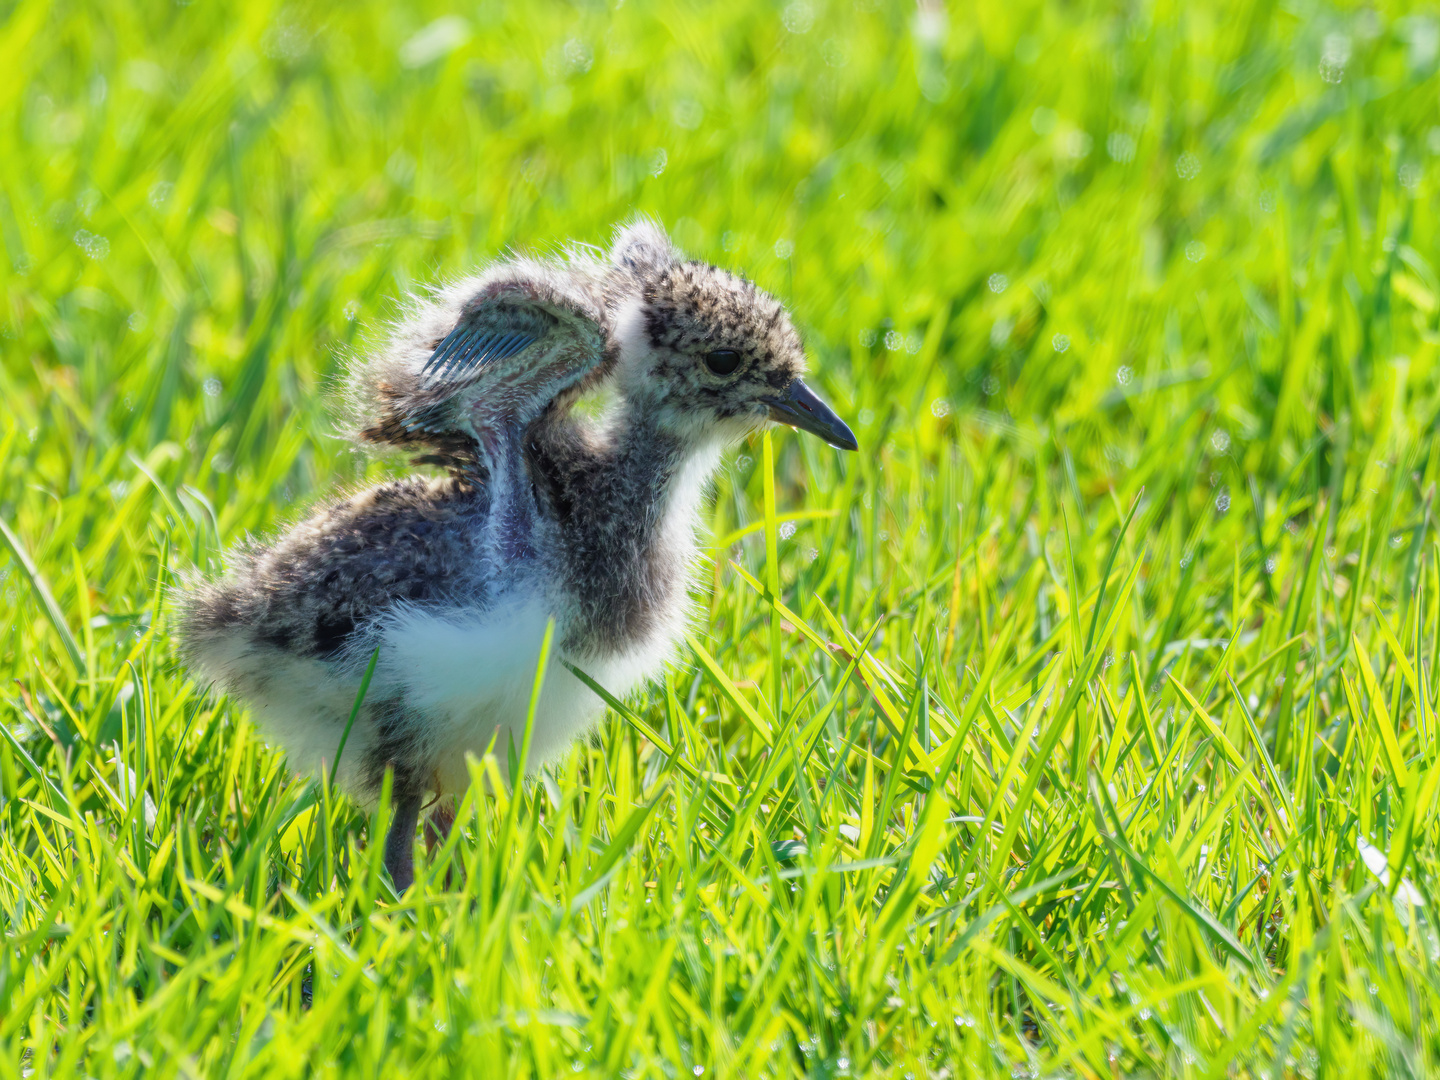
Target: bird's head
[{"x": 706, "y": 353}]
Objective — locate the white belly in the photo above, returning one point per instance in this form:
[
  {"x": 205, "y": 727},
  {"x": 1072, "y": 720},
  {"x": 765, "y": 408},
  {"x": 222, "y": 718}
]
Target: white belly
[{"x": 472, "y": 675}]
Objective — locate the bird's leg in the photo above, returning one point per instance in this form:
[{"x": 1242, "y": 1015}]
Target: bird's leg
[
  {"x": 400, "y": 841},
  {"x": 439, "y": 824}
]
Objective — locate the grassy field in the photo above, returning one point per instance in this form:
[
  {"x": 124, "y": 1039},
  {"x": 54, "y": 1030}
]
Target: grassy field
[{"x": 1083, "y": 724}]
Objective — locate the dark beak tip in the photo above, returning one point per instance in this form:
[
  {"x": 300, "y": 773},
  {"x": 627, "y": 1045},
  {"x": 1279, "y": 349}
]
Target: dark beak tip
[{"x": 801, "y": 408}]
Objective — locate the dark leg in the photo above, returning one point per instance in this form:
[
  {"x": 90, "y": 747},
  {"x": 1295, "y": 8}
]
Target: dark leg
[
  {"x": 400, "y": 841},
  {"x": 438, "y": 824},
  {"x": 437, "y": 830}
]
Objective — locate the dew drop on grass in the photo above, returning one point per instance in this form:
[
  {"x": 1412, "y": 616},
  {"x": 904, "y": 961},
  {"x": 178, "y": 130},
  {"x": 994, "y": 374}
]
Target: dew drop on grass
[
  {"x": 798, "y": 17},
  {"x": 1195, "y": 251},
  {"x": 1121, "y": 147},
  {"x": 95, "y": 246},
  {"x": 1123, "y": 375},
  {"x": 1222, "y": 501},
  {"x": 998, "y": 283},
  {"x": 1060, "y": 342}
]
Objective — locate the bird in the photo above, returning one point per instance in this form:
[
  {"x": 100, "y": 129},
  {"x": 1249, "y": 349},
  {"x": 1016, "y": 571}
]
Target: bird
[{"x": 525, "y": 513}]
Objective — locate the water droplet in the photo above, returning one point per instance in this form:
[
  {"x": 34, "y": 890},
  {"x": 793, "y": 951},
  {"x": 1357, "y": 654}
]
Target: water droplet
[
  {"x": 1060, "y": 342},
  {"x": 939, "y": 408},
  {"x": 894, "y": 341},
  {"x": 211, "y": 386},
  {"x": 351, "y": 310},
  {"x": 1120, "y": 147},
  {"x": 1410, "y": 175},
  {"x": 160, "y": 193},
  {"x": 1076, "y": 144},
  {"x": 687, "y": 113},
  {"x": 798, "y": 17},
  {"x": 1333, "y": 57},
  {"x": 1396, "y": 540},
  {"x": 658, "y": 160},
  {"x": 1123, "y": 375},
  {"x": 990, "y": 386},
  {"x": 998, "y": 283},
  {"x": 1187, "y": 166},
  {"x": 93, "y": 245},
  {"x": 1222, "y": 501},
  {"x": 578, "y": 56},
  {"x": 1195, "y": 251},
  {"x": 787, "y": 530},
  {"x": 867, "y": 338},
  {"x": 784, "y": 249},
  {"x": 1220, "y": 440},
  {"x": 136, "y": 321},
  {"x": 1270, "y": 565}
]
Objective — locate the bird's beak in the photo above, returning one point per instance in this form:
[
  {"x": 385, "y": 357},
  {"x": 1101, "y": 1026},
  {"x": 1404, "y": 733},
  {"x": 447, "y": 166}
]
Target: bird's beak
[{"x": 799, "y": 407}]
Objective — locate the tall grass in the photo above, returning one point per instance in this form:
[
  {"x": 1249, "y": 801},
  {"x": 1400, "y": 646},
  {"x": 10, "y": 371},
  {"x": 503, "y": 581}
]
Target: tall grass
[{"x": 1083, "y": 724}]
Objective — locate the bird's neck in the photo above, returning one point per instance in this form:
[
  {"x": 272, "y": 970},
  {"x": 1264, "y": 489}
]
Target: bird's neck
[{"x": 631, "y": 514}]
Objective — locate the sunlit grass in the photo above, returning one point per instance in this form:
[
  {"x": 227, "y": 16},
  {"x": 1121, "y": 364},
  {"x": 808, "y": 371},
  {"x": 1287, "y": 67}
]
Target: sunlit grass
[{"x": 1082, "y": 724}]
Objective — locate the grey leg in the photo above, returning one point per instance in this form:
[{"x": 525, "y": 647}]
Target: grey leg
[{"x": 400, "y": 841}]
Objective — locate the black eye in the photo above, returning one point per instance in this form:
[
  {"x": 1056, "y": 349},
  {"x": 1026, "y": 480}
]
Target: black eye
[{"x": 722, "y": 361}]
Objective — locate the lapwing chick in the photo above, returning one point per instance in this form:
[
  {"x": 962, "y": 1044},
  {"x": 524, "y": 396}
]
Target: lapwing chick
[{"x": 543, "y": 512}]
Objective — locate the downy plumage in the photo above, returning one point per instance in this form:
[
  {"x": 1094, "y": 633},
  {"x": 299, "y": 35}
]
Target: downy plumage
[{"x": 542, "y": 513}]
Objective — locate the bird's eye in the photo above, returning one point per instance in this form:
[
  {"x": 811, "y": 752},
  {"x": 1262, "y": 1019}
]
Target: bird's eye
[{"x": 722, "y": 361}]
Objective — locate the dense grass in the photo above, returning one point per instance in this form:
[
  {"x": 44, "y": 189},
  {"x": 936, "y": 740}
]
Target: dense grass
[{"x": 1099, "y": 672}]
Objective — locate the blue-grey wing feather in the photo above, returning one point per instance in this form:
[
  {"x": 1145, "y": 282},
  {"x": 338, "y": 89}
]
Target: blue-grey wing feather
[{"x": 466, "y": 349}]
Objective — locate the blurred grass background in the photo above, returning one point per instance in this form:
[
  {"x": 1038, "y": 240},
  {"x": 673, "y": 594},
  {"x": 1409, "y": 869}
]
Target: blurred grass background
[{"x": 1096, "y": 733}]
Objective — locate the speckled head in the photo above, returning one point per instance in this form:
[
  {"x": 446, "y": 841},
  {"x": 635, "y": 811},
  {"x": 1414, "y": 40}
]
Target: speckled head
[{"x": 707, "y": 353}]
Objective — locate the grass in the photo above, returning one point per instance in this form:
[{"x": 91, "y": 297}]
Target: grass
[{"x": 1083, "y": 724}]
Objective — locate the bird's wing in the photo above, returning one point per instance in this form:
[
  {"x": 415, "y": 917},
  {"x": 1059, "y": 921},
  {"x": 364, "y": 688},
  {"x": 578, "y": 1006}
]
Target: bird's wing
[{"x": 485, "y": 358}]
